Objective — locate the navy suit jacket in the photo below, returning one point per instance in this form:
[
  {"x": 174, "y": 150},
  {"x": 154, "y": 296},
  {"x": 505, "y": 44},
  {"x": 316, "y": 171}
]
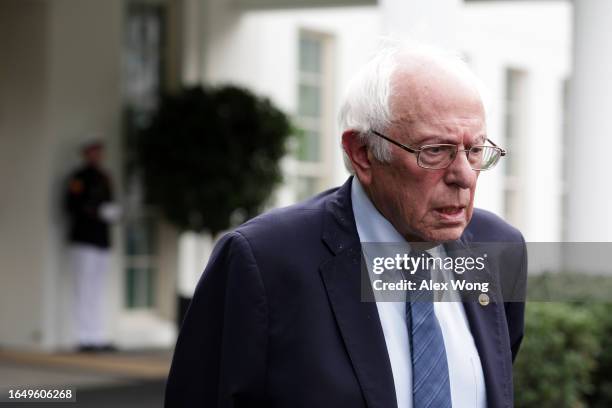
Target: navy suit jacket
[{"x": 277, "y": 319}]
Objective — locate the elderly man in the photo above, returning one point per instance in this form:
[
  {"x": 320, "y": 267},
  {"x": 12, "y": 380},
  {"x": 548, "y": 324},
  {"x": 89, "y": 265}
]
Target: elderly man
[{"x": 278, "y": 318}]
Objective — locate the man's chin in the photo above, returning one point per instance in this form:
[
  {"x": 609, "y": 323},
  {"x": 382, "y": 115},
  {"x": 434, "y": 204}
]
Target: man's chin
[{"x": 444, "y": 234}]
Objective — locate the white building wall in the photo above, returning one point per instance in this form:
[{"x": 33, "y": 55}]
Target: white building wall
[
  {"x": 64, "y": 83},
  {"x": 260, "y": 49},
  {"x": 83, "y": 97},
  {"x": 535, "y": 38},
  {"x": 23, "y": 170},
  {"x": 543, "y": 186},
  {"x": 590, "y": 195},
  {"x": 261, "y": 53},
  {"x": 489, "y": 189},
  {"x": 434, "y": 21}
]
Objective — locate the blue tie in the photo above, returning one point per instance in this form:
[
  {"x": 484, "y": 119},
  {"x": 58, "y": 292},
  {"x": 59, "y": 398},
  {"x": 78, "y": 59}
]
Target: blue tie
[{"x": 430, "y": 381}]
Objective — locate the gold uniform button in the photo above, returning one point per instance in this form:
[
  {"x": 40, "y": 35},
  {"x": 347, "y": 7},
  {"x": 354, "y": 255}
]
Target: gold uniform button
[{"x": 483, "y": 299}]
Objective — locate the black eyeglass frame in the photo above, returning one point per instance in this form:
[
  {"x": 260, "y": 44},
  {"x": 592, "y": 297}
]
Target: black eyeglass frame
[{"x": 502, "y": 152}]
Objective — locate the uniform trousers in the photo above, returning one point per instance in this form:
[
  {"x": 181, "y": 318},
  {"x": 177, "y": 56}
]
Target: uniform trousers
[{"x": 90, "y": 266}]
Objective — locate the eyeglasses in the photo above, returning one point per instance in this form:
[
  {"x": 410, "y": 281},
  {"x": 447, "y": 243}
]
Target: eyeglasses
[{"x": 440, "y": 156}]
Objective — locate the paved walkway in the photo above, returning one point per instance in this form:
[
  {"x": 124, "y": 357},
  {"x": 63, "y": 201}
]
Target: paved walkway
[{"x": 123, "y": 379}]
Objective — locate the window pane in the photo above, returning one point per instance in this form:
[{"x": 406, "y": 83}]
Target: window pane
[
  {"x": 310, "y": 55},
  {"x": 143, "y": 56},
  {"x": 308, "y": 147},
  {"x": 140, "y": 287},
  {"x": 310, "y": 101},
  {"x": 140, "y": 236}
]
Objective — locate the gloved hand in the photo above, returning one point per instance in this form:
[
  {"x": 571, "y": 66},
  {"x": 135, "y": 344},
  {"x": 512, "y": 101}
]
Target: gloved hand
[{"x": 110, "y": 212}]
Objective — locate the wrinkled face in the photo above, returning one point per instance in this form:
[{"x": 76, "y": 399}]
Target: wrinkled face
[{"x": 429, "y": 205}]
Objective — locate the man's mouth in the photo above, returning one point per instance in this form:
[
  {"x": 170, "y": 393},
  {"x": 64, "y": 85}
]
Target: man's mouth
[
  {"x": 451, "y": 214},
  {"x": 450, "y": 210}
]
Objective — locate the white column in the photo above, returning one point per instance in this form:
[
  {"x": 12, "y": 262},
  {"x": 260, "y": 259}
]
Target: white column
[
  {"x": 433, "y": 21},
  {"x": 24, "y": 162},
  {"x": 590, "y": 186},
  {"x": 193, "y": 46},
  {"x": 541, "y": 176}
]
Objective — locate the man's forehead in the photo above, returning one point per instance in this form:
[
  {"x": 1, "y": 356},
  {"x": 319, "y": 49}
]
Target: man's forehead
[
  {"x": 422, "y": 115},
  {"x": 424, "y": 91}
]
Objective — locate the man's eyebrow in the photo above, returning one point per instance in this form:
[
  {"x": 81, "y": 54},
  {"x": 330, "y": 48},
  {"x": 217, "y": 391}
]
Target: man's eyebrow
[
  {"x": 482, "y": 139},
  {"x": 441, "y": 139},
  {"x": 433, "y": 139}
]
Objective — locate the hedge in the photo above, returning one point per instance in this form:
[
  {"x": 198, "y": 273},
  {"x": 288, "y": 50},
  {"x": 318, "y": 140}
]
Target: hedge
[{"x": 566, "y": 356}]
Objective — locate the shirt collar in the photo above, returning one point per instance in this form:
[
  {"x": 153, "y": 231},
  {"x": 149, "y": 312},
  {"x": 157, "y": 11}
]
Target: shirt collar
[{"x": 372, "y": 226}]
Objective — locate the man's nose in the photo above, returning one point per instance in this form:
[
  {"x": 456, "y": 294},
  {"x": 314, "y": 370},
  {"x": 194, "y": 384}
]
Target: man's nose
[{"x": 460, "y": 172}]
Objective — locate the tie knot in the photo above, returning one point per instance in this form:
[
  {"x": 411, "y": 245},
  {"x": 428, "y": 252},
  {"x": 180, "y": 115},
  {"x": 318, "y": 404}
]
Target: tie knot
[{"x": 421, "y": 264}]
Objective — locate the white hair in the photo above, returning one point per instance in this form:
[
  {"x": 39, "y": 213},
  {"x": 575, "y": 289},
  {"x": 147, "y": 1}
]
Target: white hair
[{"x": 367, "y": 103}]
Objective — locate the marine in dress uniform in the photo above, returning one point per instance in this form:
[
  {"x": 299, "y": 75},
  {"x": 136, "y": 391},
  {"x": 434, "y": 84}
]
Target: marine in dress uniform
[{"x": 90, "y": 207}]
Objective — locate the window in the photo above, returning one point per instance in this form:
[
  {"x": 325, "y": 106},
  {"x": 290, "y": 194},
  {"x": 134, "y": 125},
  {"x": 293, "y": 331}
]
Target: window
[
  {"x": 313, "y": 117},
  {"x": 143, "y": 63},
  {"x": 140, "y": 272}
]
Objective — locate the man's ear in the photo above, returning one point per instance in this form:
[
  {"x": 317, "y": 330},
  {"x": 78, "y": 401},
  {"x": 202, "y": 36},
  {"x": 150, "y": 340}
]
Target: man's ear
[{"x": 358, "y": 152}]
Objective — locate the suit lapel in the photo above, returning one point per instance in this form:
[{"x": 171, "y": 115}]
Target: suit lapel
[
  {"x": 486, "y": 330},
  {"x": 358, "y": 321},
  {"x": 485, "y": 323}
]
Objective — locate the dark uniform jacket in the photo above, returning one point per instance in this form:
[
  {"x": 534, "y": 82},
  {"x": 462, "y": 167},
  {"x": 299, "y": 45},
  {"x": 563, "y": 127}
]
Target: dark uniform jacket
[{"x": 88, "y": 188}]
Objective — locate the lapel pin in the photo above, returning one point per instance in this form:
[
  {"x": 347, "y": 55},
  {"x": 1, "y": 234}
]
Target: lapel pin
[{"x": 483, "y": 299}]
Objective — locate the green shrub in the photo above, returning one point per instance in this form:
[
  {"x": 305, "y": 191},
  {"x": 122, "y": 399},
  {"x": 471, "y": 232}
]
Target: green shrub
[
  {"x": 569, "y": 287},
  {"x": 210, "y": 157},
  {"x": 601, "y": 395},
  {"x": 566, "y": 358},
  {"x": 558, "y": 357}
]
